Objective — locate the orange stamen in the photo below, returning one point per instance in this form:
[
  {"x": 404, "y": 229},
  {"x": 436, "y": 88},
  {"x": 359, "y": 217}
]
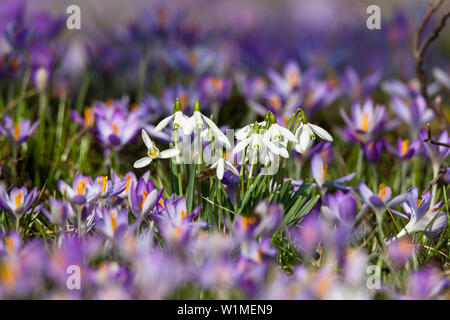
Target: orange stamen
[
  {"x": 365, "y": 123},
  {"x": 325, "y": 170},
  {"x": 405, "y": 146},
  {"x": 293, "y": 78},
  {"x": 16, "y": 132},
  {"x": 143, "y": 198},
  {"x": 127, "y": 184},
  {"x": 115, "y": 129},
  {"x": 18, "y": 198},
  {"x": 89, "y": 117},
  {"x": 382, "y": 191},
  {"x": 217, "y": 83},
  {"x": 275, "y": 102}
]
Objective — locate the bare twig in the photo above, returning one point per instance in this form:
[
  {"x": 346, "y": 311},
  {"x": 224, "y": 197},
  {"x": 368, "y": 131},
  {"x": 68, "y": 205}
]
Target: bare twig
[
  {"x": 442, "y": 172},
  {"x": 430, "y": 140},
  {"x": 419, "y": 50}
]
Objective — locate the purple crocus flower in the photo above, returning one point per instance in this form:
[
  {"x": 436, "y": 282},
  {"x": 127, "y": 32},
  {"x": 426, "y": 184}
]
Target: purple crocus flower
[
  {"x": 288, "y": 81},
  {"x": 400, "y": 251},
  {"x": 81, "y": 191},
  {"x": 425, "y": 284},
  {"x": 356, "y": 87},
  {"x": 142, "y": 196},
  {"x": 19, "y": 132},
  {"x": 19, "y": 201},
  {"x": 380, "y": 200},
  {"x": 372, "y": 150},
  {"x": 175, "y": 222},
  {"x": 319, "y": 171},
  {"x": 116, "y": 127},
  {"x": 423, "y": 217},
  {"x": 308, "y": 234},
  {"x": 415, "y": 116},
  {"x": 216, "y": 88},
  {"x": 59, "y": 211},
  {"x": 340, "y": 208},
  {"x": 111, "y": 222},
  {"x": 366, "y": 122},
  {"x": 404, "y": 149},
  {"x": 434, "y": 152}
]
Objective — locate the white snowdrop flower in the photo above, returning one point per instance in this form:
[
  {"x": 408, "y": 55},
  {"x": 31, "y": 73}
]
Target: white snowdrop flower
[
  {"x": 307, "y": 132},
  {"x": 180, "y": 120},
  {"x": 245, "y": 132},
  {"x": 258, "y": 143},
  {"x": 153, "y": 152},
  {"x": 198, "y": 121},
  {"x": 220, "y": 165}
]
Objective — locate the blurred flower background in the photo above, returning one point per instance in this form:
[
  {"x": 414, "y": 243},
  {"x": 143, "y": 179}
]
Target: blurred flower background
[{"x": 363, "y": 181}]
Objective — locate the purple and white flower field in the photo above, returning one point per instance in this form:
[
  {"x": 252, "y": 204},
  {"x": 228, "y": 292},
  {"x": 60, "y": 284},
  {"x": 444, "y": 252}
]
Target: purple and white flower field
[{"x": 224, "y": 150}]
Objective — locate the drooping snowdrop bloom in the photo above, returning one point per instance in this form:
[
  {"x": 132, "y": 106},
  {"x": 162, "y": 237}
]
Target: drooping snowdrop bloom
[
  {"x": 198, "y": 121},
  {"x": 257, "y": 144},
  {"x": 19, "y": 201},
  {"x": 221, "y": 164},
  {"x": 153, "y": 152},
  {"x": 280, "y": 135},
  {"x": 307, "y": 132},
  {"x": 179, "y": 120},
  {"x": 423, "y": 217},
  {"x": 19, "y": 132}
]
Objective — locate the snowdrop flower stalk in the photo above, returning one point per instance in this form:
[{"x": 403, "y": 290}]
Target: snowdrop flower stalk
[{"x": 198, "y": 121}]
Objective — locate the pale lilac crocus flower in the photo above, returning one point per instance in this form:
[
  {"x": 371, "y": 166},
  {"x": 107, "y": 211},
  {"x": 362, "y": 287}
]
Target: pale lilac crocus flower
[
  {"x": 423, "y": 217},
  {"x": 18, "y": 132},
  {"x": 319, "y": 170}
]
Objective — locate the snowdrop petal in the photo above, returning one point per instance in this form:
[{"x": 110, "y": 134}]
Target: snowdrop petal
[
  {"x": 163, "y": 123},
  {"x": 220, "y": 168},
  {"x": 322, "y": 133},
  {"x": 241, "y": 145},
  {"x": 147, "y": 141},
  {"x": 169, "y": 153},
  {"x": 142, "y": 162}
]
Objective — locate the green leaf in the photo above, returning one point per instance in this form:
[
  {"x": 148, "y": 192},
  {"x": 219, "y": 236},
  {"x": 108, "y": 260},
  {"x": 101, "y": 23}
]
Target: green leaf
[{"x": 190, "y": 192}]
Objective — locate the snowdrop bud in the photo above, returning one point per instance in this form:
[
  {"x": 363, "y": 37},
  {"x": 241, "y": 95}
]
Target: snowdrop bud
[
  {"x": 256, "y": 127},
  {"x": 177, "y": 105},
  {"x": 196, "y": 105},
  {"x": 41, "y": 79}
]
